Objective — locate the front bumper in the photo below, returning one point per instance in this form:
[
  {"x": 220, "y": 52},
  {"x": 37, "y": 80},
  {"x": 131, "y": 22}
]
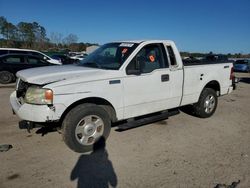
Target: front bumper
[{"x": 35, "y": 113}]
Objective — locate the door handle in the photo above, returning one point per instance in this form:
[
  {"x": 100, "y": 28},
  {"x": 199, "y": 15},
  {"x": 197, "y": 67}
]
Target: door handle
[{"x": 165, "y": 77}]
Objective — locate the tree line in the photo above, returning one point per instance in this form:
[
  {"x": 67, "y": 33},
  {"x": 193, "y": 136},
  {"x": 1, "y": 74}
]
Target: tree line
[{"x": 32, "y": 35}]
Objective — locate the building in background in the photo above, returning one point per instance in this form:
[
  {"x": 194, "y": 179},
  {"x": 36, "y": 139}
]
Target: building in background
[{"x": 92, "y": 48}]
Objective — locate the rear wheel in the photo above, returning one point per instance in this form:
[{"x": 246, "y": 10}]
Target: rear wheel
[
  {"x": 207, "y": 103},
  {"x": 84, "y": 126},
  {"x": 6, "y": 77}
]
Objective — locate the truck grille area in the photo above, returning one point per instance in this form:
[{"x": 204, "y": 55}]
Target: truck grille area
[{"x": 21, "y": 89}]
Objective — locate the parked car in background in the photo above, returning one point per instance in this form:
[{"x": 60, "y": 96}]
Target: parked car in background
[
  {"x": 210, "y": 58},
  {"x": 190, "y": 60},
  {"x": 4, "y": 51},
  {"x": 10, "y": 64},
  {"x": 216, "y": 58},
  {"x": 79, "y": 57},
  {"x": 242, "y": 65},
  {"x": 64, "y": 59},
  {"x": 71, "y": 54}
]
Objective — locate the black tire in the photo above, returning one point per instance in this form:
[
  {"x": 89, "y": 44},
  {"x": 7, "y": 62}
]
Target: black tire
[
  {"x": 75, "y": 117},
  {"x": 200, "y": 108},
  {"x": 6, "y": 77}
]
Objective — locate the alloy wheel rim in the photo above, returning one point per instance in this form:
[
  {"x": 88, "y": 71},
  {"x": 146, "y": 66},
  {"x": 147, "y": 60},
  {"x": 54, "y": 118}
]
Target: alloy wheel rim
[
  {"x": 209, "y": 104},
  {"x": 89, "y": 130}
]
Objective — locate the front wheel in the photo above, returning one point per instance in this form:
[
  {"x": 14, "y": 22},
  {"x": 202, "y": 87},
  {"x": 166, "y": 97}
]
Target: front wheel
[
  {"x": 207, "y": 103},
  {"x": 84, "y": 126}
]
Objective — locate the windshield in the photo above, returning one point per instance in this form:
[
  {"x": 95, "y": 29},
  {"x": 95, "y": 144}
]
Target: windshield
[{"x": 109, "y": 56}]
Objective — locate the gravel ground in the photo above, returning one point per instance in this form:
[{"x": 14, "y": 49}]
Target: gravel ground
[{"x": 183, "y": 151}]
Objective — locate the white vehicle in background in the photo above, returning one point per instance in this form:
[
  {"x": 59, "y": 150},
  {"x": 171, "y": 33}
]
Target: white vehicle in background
[
  {"x": 78, "y": 55},
  {"x": 4, "y": 51},
  {"x": 119, "y": 81}
]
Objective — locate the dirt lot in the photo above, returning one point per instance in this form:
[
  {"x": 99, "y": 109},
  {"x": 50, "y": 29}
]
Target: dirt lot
[{"x": 183, "y": 151}]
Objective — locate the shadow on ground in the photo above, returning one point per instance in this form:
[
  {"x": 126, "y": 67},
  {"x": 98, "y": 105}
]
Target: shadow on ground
[
  {"x": 94, "y": 170},
  {"x": 188, "y": 109},
  {"x": 48, "y": 129},
  {"x": 41, "y": 128}
]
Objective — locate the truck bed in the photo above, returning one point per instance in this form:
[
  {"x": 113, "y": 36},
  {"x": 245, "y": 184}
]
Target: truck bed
[
  {"x": 202, "y": 62},
  {"x": 198, "y": 74}
]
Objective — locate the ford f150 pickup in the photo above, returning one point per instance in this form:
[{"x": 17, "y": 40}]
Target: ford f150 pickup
[{"x": 119, "y": 81}]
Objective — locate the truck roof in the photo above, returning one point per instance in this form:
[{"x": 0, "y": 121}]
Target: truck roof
[{"x": 140, "y": 41}]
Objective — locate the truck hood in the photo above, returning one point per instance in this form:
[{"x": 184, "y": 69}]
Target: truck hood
[{"x": 51, "y": 74}]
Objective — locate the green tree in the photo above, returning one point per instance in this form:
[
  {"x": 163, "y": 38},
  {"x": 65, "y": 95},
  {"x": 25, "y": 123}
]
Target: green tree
[
  {"x": 33, "y": 35},
  {"x": 3, "y": 22},
  {"x": 8, "y": 31},
  {"x": 27, "y": 33}
]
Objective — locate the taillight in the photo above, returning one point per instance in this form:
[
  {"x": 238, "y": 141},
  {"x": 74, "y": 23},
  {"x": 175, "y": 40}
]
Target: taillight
[{"x": 232, "y": 74}]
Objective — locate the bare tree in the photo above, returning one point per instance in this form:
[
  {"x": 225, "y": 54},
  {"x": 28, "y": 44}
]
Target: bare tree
[
  {"x": 56, "y": 37},
  {"x": 70, "y": 39}
]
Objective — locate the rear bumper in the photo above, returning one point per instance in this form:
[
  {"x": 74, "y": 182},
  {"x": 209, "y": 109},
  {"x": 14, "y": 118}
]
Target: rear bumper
[{"x": 34, "y": 113}]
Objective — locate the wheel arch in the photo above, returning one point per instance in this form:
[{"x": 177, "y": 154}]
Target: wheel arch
[
  {"x": 215, "y": 85},
  {"x": 93, "y": 100}
]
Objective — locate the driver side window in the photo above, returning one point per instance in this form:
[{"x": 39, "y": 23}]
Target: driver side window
[{"x": 148, "y": 59}]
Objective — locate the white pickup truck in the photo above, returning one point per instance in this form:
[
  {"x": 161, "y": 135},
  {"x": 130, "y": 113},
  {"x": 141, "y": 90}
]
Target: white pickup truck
[{"x": 119, "y": 81}]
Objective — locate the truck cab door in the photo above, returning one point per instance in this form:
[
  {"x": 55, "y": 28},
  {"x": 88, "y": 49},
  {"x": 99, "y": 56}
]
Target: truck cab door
[{"x": 148, "y": 84}]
